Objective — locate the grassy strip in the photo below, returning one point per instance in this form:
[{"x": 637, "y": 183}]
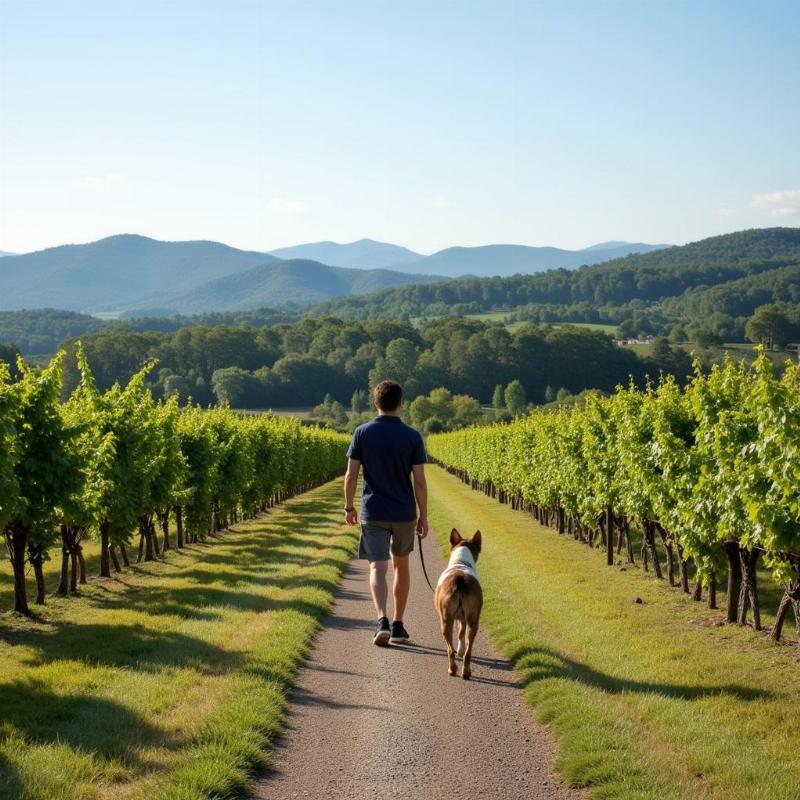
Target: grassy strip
[
  {"x": 170, "y": 680},
  {"x": 646, "y": 700}
]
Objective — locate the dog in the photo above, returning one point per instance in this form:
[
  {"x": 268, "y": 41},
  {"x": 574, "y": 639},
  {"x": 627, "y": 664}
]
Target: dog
[{"x": 459, "y": 597}]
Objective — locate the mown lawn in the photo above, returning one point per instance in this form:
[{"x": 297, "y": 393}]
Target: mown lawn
[
  {"x": 170, "y": 680},
  {"x": 645, "y": 700}
]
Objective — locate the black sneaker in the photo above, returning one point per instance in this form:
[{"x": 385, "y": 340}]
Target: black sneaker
[
  {"x": 381, "y": 637},
  {"x": 399, "y": 633}
]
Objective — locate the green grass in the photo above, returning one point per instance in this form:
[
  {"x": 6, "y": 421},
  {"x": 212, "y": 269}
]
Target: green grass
[
  {"x": 611, "y": 330},
  {"x": 652, "y": 700},
  {"x": 170, "y": 680},
  {"x": 501, "y": 316}
]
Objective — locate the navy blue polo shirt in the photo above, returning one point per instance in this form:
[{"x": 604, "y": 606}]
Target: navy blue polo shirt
[{"x": 387, "y": 448}]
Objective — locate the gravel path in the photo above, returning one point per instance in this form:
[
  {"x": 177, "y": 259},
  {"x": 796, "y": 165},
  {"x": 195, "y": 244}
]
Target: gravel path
[{"x": 374, "y": 723}]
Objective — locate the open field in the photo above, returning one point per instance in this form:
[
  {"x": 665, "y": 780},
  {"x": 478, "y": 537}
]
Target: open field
[
  {"x": 169, "y": 680},
  {"x": 501, "y": 316},
  {"x": 735, "y": 350},
  {"x": 646, "y": 700},
  {"x": 611, "y": 330}
]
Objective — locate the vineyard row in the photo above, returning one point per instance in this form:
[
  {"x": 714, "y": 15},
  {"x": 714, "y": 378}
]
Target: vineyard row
[
  {"x": 117, "y": 465},
  {"x": 712, "y": 472}
]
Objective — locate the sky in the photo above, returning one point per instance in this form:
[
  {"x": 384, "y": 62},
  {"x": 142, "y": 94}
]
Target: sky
[{"x": 424, "y": 123}]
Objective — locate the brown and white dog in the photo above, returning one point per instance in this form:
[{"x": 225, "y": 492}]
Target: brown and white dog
[{"x": 459, "y": 597}]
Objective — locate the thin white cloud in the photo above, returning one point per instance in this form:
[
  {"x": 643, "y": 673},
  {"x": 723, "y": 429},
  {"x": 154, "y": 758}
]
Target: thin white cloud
[
  {"x": 283, "y": 205},
  {"x": 727, "y": 211},
  {"x": 778, "y": 204},
  {"x": 103, "y": 183}
]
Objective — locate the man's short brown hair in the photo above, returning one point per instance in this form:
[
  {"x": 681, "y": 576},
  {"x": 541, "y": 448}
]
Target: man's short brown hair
[{"x": 387, "y": 395}]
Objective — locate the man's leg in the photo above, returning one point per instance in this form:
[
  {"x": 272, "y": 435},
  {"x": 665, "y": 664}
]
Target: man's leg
[
  {"x": 378, "y": 585},
  {"x": 401, "y": 584}
]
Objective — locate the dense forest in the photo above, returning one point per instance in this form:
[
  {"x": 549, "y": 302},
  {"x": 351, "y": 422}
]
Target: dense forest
[
  {"x": 298, "y": 364},
  {"x": 40, "y": 331}
]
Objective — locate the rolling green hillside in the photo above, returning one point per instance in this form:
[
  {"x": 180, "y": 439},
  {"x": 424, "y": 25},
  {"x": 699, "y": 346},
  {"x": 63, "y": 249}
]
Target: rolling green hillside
[{"x": 286, "y": 283}]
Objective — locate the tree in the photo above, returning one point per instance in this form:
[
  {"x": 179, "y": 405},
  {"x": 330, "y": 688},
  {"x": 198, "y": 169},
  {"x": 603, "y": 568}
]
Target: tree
[
  {"x": 515, "y": 397},
  {"x": 769, "y": 326},
  {"x": 359, "y": 401},
  {"x": 44, "y": 473},
  {"x": 92, "y": 451},
  {"x": 498, "y": 397},
  {"x": 9, "y": 355},
  {"x": 678, "y": 334},
  {"x": 197, "y": 447},
  {"x": 466, "y": 411},
  {"x": 706, "y": 337},
  {"x": 434, "y": 425},
  {"x": 398, "y": 363},
  {"x": 332, "y": 411},
  {"x": 419, "y": 410},
  {"x": 626, "y": 329},
  {"x": 236, "y": 387}
]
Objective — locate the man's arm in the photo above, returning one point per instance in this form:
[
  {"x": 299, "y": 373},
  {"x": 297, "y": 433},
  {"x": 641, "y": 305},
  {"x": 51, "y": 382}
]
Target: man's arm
[
  {"x": 350, "y": 483},
  {"x": 421, "y": 492}
]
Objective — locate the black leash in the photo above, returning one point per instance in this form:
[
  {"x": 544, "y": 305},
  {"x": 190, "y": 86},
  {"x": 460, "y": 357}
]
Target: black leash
[{"x": 422, "y": 561}]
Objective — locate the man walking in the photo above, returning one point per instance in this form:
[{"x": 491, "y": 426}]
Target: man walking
[{"x": 390, "y": 452}]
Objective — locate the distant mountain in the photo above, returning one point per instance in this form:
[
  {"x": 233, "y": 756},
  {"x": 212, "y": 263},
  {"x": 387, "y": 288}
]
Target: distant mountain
[
  {"x": 296, "y": 282},
  {"x": 5, "y": 253},
  {"x": 511, "y": 259},
  {"x": 131, "y": 272},
  {"x": 363, "y": 254},
  {"x": 113, "y": 272}
]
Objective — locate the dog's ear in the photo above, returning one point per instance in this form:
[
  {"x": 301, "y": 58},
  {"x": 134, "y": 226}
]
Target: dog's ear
[
  {"x": 476, "y": 540},
  {"x": 455, "y": 538}
]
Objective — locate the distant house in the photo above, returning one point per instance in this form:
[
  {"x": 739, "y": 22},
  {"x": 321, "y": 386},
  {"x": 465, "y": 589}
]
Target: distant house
[{"x": 646, "y": 340}]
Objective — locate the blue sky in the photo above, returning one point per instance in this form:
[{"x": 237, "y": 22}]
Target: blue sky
[{"x": 429, "y": 124}]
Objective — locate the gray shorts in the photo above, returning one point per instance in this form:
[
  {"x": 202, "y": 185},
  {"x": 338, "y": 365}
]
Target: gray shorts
[{"x": 379, "y": 538}]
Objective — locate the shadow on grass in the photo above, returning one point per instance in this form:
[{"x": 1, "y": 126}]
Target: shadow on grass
[
  {"x": 114, "y": 645},
  {"x": 541, "y": 663},
  {"x": 104, "y": 727}
]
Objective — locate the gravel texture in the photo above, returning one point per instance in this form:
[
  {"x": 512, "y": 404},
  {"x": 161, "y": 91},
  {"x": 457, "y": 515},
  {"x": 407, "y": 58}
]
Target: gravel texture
[{"x": 373, "y": 723}]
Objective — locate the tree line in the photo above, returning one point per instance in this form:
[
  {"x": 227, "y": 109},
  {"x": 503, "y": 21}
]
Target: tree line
[
  {"x": 40, "y": 331},
  {"x": 711, "y": 472},
  {"x": 118, "y": 465},
  {"x": 298, "y": 364}
]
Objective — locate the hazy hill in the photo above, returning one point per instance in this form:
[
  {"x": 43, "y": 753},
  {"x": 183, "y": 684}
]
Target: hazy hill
[
  {"x": 512, "y": 259},
  {"x": 5, "y": 253},
  {"x": 363, "y": 254},
  {"x": 296, "y": 282},
  {"x": 648, "y": 277},
  {"x": 619, "y": 247},
  {"x": 117, "y": 271}
]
